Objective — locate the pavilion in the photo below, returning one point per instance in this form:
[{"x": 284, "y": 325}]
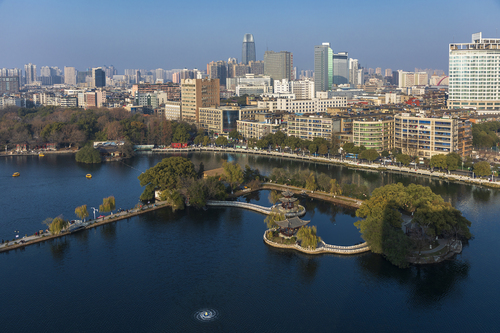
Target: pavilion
[
  {"x": 290, "y": 226},
  {"x": 287, "y": 201}
]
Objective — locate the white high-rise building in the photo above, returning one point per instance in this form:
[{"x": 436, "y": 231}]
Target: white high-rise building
[
  {"x": 474, "y": 70},
  {"x": 70, "y": 76},
  {"x": 353, "y": 72},
  {"x": 30, "y": 73}
]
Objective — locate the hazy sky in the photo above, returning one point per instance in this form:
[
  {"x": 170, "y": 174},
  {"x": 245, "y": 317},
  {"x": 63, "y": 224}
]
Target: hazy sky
[{"x": 188, "y": 34}]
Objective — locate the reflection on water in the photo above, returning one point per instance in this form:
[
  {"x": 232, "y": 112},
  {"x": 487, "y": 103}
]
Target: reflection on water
[
  {"x": 108, "y": 231},
  {"x": 59, "y": 248},
  {"x": 481, "y": 194},
  {"x": 426, "y": 285}
]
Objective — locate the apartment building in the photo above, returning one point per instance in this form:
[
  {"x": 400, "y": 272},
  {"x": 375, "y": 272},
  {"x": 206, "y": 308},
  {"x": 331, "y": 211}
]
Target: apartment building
[
  {"x": 197, "y": 93},
  {"x": 310, "y": 126},
  {"x": 374, "y": 132},
  {"x": 417, "y": 135},
  {"x": 223, "y": 120}
]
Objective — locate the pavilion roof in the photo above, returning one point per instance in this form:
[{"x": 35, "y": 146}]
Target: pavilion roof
[
  {"x": 287, "y": 193},
  {"x": 292, "y": 223},
  {"x": 288, "y": 199}
]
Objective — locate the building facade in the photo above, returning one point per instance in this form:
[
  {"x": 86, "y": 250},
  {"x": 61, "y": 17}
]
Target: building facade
[
  {"x": 474, "y": 74},
  {"x": 248, "y": 49},
  {"x": 196, "y": 93},
  {"x": 425, "y": 137},
  {"x": 278, "y": 65},
  {"x": 70, "y": 76},
  {"x": 374, "y": 133},
  {"x": 323, "y": 67},
  {"x": 309, "y": 127},
  {"x": 340, "y": 68},
  {"x": 309, "y": 105},
  {"x": 9, "y": 85}
]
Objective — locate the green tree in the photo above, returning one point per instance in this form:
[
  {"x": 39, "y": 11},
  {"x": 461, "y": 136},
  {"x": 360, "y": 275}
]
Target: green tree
[
  {"x": 453, "y": 161},
  {"x": 439, "y": 161},
  {"x": 206, "y": 141},
  {"x": 181, "y": 133},
  {"x": 313, "y": 148},
  {"x": 197, "y": 195},
  {"x": 233, "y": 174},
  {"x": 323, "y": 149},
  {"x": 82, "y": 212},
  {"x": 335, "y": 188},
  {"x": 369, "y": 154},
  {"x": 482, "y": 168},
  {"x": 221, "y": 141},
  {"x": 311, "y": 184},
  {"x": 271, "y": 219},
  {"x": 166, "y": 175},
  {"x": 274, "y": 197},
  {"x": 173, "y": 198},
  {"x": 308, "y": 238},
  {"x": 323, "y": 182},
  {"x": 57, "y": 225},
  {"x": 108, "y": 204},
  {"x": 403, "y": 158},
  {"x": 88, "y": 155},
  {"x": 385, "y": 153},
  {"x": 234, "y": 134}
]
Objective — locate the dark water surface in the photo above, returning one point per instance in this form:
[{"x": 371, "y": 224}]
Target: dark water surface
[{"x": 152, "y": 273}]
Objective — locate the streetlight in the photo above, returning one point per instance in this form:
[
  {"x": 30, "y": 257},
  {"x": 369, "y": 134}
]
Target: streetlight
[{"x": 95, "y": 210}]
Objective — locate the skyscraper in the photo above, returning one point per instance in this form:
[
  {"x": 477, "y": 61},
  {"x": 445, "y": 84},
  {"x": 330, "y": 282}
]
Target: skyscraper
[
  {"x": 196, "y": 93},
  {"x": 98, "y": 77},
  {"x": 248, "y": 51},
  {"x": 70, "y": 76},
  {"x": 474, "y": 74},
  {"x": 323, "y": 67},
  {"x": 278, "y": 65},
  {"x": 30, "y": 71},
  {"x": 340, "y": 68}
]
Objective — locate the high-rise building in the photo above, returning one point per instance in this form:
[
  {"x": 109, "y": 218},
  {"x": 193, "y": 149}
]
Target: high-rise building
[
  {"x": 378, "y": 71},
  {"x": 196, "y": 93},
  {"x": 323, "y": 67},
  {"x": 354, "y": 67},
  {"x": 98, "y": 77},
  {"x": 256, "y": 67},
  {"x": 30, "y": 73},
  {"x": 248, "y": 50},
  {"x": 474, "y": 70},
  {"x": 70, "y": 76},
  {"x": 340, "y": 68},
  {"x": 217, "y": 70},
  {"x": 278, "y": 65},
  {"x": 388, "y": 72}
]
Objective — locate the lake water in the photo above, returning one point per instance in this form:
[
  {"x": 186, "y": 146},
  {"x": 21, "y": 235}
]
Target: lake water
[{"x": 154, "y": 272}]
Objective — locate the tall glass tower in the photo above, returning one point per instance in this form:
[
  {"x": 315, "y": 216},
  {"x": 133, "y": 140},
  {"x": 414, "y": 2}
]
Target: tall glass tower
[
  {"x": 248, "y": 51},
  {"x": 323, "y": 67}
]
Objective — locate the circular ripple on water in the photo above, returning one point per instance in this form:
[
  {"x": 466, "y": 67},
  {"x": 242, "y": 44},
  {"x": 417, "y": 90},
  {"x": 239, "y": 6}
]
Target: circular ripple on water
[{"x": 206, "y": 315}]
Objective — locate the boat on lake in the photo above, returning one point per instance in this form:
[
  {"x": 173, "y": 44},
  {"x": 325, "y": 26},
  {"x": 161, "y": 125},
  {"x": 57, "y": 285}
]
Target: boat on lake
[
  {"x": 41, "y": 154},
  {"x": 15, "y": 174},
  {"x": 88, "y": 176},
  {"x": 77, "y": 225}
]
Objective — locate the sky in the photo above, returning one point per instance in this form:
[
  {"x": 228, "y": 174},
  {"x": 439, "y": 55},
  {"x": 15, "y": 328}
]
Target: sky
[{"x": 152, "y": 34}]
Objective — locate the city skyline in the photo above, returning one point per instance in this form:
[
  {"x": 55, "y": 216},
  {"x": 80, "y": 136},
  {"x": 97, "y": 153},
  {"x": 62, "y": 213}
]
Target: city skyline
[{"x": 56, "y": 33}]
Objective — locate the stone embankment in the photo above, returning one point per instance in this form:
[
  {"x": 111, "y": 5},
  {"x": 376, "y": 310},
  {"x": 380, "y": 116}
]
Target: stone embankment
[{"x": 322, "y": 248}]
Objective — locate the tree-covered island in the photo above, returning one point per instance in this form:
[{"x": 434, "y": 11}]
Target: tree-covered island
[{"x": 429, "y": 218}]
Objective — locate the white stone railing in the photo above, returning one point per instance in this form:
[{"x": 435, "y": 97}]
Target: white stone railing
[
  {"x": 254, "y": 207},
  {"x": 324, "y": 248}
]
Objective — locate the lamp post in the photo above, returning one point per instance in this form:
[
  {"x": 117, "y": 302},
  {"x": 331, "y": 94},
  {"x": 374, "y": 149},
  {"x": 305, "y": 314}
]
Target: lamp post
[{"x": 95, "y": 210}]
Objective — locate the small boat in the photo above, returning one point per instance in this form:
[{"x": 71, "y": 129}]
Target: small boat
[
  {"x": 15, "y": 174},
  {"x": 41, "y": 154},
  {"x": 88, "y": 176}
]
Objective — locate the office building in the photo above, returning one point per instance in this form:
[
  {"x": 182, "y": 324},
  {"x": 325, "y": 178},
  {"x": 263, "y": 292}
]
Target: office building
[
  {"x": 256, "y": 67},
  {"x": 196, "y": 93},
  {"x": 217, "y": 70},
  {"x": 70, "y": 76},
  {"x": 323, "y": 67},
  {"x": 474, "y": 74},
  {"x": 278, "y": 65},
  {"x": 340, "y": 68},
  {"x": 98, "y": 77},
  {"x": 248, "y": 50}
]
